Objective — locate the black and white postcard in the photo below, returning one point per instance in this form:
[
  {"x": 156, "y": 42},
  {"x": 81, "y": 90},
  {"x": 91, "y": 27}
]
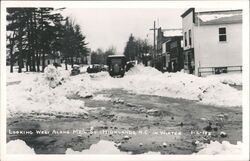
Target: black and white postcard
[{"x": 129, "y": 80}]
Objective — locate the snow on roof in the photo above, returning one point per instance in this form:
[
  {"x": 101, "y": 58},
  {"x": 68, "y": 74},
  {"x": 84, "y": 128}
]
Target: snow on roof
[
  {"x": 218, "y": 17},
  {"x": 174, "y": 32},
  {"x": 206, "y": 18}
]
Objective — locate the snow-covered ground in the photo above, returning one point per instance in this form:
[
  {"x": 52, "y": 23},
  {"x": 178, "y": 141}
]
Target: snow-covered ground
[
  {"x": 107, "y": 147},
  {"x": 19, "y": 147},
  {"x": 147, "y": 80},
  {"x": 43, "y": 94},
  {"x": 51, "y": 91},
  {"x": 225, "y": 147},
  {"x": 229, "y": 78}
]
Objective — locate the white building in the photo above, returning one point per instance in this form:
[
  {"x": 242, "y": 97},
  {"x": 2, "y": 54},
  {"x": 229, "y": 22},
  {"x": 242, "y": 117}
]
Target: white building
[{"x": 212, "y": 41}]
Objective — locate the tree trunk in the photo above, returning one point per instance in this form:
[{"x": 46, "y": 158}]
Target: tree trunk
[
  {"x": 27, "y": 66},
  {"x": 66, "y": 64},
  {"x": 11, "y": 56},
  {"x": 20, "y": 63},
  {"x": 38, "y": 62},
  {"x": 34, "y": 42},
  {"x": 72, "y": 62},
  {"x": 11, "y": 63},
  {"x": 33, "y": 62},
  {"x": 43, "y": 62}
]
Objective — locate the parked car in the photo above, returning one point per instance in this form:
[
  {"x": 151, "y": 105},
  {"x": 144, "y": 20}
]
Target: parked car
[
  {"x": 75, "y": 70},
  {"x": 94, "y": 68},
  {"x": 57, "y": 64},
  {"x": 130, "y": 64},
  {"x": 104, "y": 68}
]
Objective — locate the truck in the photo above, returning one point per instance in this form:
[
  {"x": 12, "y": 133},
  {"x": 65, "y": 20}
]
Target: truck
[{"x": 116, "y": 65}]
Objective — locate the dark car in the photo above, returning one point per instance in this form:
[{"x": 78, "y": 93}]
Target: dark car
[
  {"x": 116, "y": 65},
  {"x": 130, "y": 64},
  {"x": 75, "y": 70},
  {"x": 94, "y": 68},
  {"x": 57, "y": 64}
]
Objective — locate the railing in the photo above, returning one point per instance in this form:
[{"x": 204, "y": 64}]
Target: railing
[{"x": 218, "y": 70}]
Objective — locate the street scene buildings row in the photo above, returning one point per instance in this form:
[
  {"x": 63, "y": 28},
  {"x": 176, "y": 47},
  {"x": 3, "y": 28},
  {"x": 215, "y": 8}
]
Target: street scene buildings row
[{"x": 208, "y": 43}]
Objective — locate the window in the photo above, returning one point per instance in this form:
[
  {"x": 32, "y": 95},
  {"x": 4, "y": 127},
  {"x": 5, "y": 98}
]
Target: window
[
  {"x": 190, "y": 39},
  {"x": 222, "y": 34},
  {"x": 220, "y": 70},
  {"x": 185, "y": 38}
]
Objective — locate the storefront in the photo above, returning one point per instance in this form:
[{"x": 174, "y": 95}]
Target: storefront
[{"x": 189, "y": 63}]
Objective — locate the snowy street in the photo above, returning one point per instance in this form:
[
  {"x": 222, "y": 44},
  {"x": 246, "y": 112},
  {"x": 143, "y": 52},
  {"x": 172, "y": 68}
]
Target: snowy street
[{"x": 146, "y": 112}]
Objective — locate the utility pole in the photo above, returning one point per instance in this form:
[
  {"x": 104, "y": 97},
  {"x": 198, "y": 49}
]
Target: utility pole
[{"x": 154, "y": 54}]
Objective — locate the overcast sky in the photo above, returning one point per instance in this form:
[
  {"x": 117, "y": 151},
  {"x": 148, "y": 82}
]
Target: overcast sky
[
  {"x": 112, "y": 27},
  {"x": 104, "y": 27}
]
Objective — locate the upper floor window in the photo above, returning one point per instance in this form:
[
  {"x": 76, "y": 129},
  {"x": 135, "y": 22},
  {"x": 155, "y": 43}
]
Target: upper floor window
[
  {"x": 189, "y": 37},
  {"x": 222, "y": 34},
  {"x": 185, "y": 38}
]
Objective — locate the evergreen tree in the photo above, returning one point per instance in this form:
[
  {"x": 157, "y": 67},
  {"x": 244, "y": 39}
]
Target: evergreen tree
[
  {"x": 32, "y": 35},
  {"x": 76, "y": 45},
  {"x": 135, "y": 49}
]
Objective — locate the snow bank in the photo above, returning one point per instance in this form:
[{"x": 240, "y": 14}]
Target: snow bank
[
  {"x": 102, "y": 147},
  {"x": 105, "y": 147},
  {"x": 229, "y": 78},
  {"x": 48, "y": 93},
  {"x": 215, "y": 148},
  {"x": 142, "y": 70},
  {"x": 53, "y": 91},
  {"x": 19, "y": 147},
  {"x": 108, "y": 147},
  {"x": 148, "y": 80}
]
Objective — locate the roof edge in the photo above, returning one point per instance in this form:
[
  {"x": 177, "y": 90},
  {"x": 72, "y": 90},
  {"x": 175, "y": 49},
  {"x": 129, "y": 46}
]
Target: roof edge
[
  {"x": 187, "y": 12},
  {"x": 219, "y": 11}
]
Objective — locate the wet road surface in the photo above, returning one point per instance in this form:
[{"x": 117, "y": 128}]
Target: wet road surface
[{"x": 135, "y": 123}]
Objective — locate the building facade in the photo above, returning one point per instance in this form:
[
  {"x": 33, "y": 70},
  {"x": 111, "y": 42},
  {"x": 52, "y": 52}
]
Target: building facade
[
  {"x": 212, "y": 41},
  {"x": 173, "y": 54},
  {"x": 171, "y": 50}
]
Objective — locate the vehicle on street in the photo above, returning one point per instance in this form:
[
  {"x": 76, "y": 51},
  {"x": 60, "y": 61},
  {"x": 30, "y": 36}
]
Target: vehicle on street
[
  {"x": 130, "y": 64},
  {"x": 116, "y": 65},
  {"x": 75, "y": 70},
  {"x": 94, "y": 68}
]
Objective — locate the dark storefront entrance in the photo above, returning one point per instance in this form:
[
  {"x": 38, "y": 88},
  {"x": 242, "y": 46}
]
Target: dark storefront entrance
[{"x": 189, "y": 63}]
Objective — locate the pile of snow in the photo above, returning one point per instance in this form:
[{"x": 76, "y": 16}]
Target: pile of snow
[
  {"x": 105, "y": 147},
  {"x": 35, "y": 95},
  {"x": 225, "y": 147},
  {"x": 99, "y": 76},
  {"x": 149, "y": 81},
  {"x": 142, "y": 70},
  {"x": 229, "y": 78},
  {"x": 53, "y": 91},
  {"x": 19, "y": 147},
  {"x": 54, "y": 75},
  {"x": 108, "y": 147},
  {"x": 101, "y": 97},
  {"x": 102, "y": 147}
]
